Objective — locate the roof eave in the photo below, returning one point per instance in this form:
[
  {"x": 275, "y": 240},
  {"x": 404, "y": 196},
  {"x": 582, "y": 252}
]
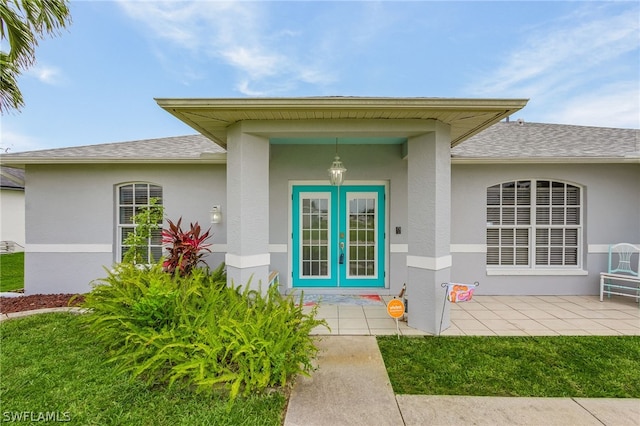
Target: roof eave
[
  {"x": 545, "y": 160},
  {"x": 25, "y": 161},
  {"x": 183, "y": 109},
  {"x": 341, "y": 103}
]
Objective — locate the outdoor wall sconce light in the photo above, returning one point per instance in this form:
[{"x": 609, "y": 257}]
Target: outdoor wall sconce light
[
  {"x": 337, "y": 170},
  {"x": 216, "y": 214}
]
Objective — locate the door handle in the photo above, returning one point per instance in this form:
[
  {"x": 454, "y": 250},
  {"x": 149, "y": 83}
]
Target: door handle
[{"x": 341, "y": 257}]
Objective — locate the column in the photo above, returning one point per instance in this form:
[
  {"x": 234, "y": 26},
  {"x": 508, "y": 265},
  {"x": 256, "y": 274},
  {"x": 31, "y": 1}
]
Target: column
[
  {"x": 429, "y": 219},
  {"x": 247, "y": 216}
]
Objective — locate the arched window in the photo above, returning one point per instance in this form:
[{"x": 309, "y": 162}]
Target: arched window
[
  {"x": 131, "y": 198},
  {"x": 534, "y": 223}
]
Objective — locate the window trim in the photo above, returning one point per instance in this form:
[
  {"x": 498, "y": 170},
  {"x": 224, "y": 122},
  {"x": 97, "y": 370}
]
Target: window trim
[{"x": 531, "y": 268}]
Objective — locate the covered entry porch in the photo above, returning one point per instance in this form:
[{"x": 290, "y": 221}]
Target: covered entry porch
[{"x": 280, "y": 149}]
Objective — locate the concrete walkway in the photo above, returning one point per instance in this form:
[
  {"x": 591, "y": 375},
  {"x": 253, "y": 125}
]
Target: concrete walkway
[
  {"x": 466, "y": 410},
  {"x": 351, "y": 387},
  {"x": 70, "y": 309}
]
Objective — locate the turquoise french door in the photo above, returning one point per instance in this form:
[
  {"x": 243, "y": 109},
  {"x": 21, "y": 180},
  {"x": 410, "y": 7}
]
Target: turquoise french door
[{"x": 338, "y": 236}]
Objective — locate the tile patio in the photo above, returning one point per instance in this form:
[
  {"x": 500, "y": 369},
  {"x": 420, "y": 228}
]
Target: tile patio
[{"x": 499, "y": 316}]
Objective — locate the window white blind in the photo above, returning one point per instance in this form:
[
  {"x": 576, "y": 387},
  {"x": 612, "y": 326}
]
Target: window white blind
[{"x": 542, "y": 233}]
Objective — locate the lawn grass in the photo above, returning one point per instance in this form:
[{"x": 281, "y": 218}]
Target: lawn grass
[
  {"x": 548, "y": 366},
  {"x": 49, "y": 364},
  {"x": 11, "y": 271}
]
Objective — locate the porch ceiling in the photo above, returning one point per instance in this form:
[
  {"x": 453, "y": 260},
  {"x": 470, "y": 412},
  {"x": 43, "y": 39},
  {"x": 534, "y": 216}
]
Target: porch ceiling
[{"x": 212, "y": 116}]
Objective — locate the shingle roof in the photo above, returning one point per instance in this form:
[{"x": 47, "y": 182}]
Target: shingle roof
[
  {"x": 530, "y": 142},
  {"x": 191, "y": 147},
  {"x": 540, "y": 142},
  {"x": 11, "y": 178}
]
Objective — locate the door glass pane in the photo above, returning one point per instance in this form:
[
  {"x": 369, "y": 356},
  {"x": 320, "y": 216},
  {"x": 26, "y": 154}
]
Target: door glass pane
[
  {"x": 314, "y": 229},
  {"x": 361, "y": 232}
]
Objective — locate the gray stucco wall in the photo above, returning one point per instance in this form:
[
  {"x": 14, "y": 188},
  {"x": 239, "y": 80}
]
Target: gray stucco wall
[
  {"x": 70, "y": 215},
  {"x": 70, "y": 211},
  {"x": 611, "y": 213}
]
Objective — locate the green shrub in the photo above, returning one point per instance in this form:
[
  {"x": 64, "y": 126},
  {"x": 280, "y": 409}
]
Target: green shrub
[
  {"x": 155, "y": 309},
  {"x": 148, "y": 227},
  {"x": 195, "y": 331}
]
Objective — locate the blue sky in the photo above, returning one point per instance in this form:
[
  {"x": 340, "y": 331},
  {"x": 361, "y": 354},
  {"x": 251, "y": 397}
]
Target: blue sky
[{"x": 578, "y": 62}]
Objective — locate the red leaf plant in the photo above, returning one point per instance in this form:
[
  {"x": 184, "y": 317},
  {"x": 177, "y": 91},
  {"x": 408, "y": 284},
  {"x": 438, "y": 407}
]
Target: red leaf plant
[{"x": 186, "y": 248}]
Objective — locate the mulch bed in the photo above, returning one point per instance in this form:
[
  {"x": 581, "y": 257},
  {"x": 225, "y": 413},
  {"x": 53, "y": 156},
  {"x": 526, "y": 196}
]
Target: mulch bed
[{"x": 38, "y": 301}]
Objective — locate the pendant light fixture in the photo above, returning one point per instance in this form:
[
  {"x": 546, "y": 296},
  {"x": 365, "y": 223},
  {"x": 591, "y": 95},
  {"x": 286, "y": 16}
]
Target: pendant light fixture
[{"x": 337, "y": 170}]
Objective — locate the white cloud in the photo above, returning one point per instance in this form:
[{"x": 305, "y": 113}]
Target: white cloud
[
  {"x": 253, "y": 61},
  {"x": 167, "y": 20},
  {"x": 46, "y": 74},
  {"x": 561, "y": 58},
  {"x": 235, "y": 33},
  {"x": 243, "y": 87},
  {"x": 17, "y": 142},
  {"x": 614, "y": 105},
  {"x": 576, "y": 70}
]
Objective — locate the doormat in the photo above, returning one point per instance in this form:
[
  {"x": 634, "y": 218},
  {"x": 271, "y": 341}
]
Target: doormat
[{"x": 343, "y": 299}]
